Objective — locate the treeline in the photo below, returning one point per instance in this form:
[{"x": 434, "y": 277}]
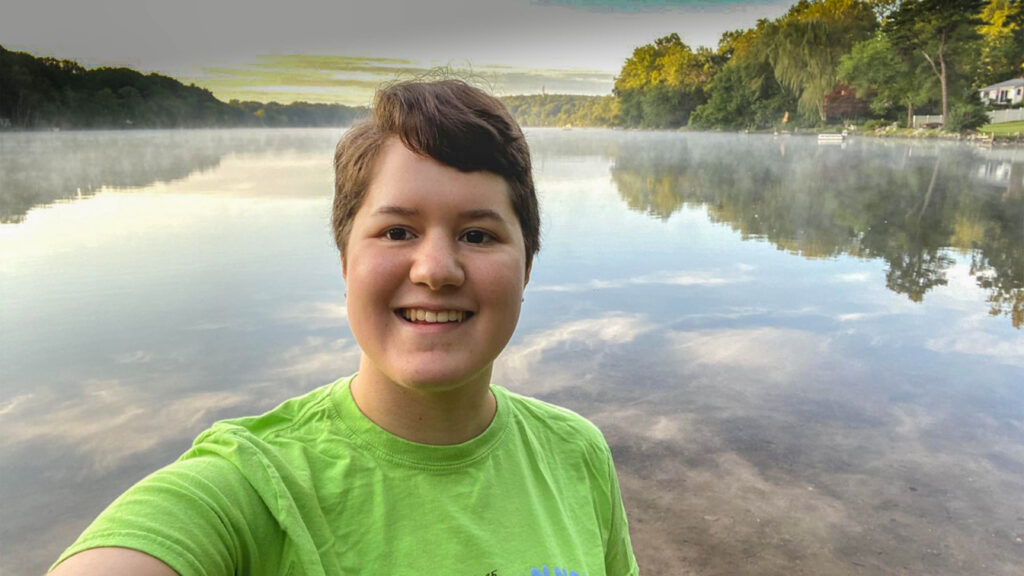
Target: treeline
[
  {"x": 50, "y": 93},
  {"x": 563, "y": 110},
  {"x": 824, "y": 62},
  {"x": 830, "y": 61}
]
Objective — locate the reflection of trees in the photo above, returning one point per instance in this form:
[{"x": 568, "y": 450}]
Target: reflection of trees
[
  {"x": 907, "y": 206},
  {"x": 42, "y": 168},
  {"x": 997, "y": 247}
]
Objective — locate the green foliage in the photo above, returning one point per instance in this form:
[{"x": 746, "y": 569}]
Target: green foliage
[
  {"x": 741, "y": 98},
  {"x": 887, "y": 78},
  {"x": 662, "y": 83},
  {"x": 966, "y": 116},
  {"x": 745, "y": 94},
  {"x": 563, "y": 110},
  {"x": 1001, "y": 52},
  {"x": 805, "y": 46},
  {"x": 943, "y": 34},
  {"x": 873, "y": 124},
  {"x": 50, "y": 93},
  {"x": 730, "y": 103}
]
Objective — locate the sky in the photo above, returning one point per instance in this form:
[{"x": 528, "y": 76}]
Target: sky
[{"x": 337, "y": 51}]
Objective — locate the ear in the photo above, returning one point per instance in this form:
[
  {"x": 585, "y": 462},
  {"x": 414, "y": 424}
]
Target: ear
[
  {"x": 526, "y": 278},
  {"x": 344, "y": 272}
]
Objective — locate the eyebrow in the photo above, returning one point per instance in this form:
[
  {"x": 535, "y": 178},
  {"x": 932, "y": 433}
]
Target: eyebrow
[
  {"x": 473, "y": 214},
  {"x": 396, "y": 210},
  {"x": 481, "y": 214}
]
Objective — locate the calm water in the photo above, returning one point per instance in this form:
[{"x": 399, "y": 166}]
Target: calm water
[{"x": 807, "y": 359}]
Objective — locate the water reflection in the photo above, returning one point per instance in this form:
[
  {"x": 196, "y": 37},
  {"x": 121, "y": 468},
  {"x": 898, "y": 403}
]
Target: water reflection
[
  {"x": 908, "y": 209},
  {"x": 777, "y": 450},
  {"x": 791, "y": 357},
  {"x": 42, "y": 168}
]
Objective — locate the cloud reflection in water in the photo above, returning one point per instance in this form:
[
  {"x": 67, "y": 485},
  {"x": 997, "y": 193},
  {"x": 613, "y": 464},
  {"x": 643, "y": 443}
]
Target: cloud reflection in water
[{"x": 762, "y": 449}]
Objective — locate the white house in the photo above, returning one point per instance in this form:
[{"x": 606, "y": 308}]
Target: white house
[{"x": 1005, "y": 93}]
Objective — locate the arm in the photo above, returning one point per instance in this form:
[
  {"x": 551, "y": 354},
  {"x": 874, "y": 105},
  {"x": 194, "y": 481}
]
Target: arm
[
  {"x": 112, "y": 562},
  {"x": 195, "y": 517},
  {"x": 619, "y": 558}
]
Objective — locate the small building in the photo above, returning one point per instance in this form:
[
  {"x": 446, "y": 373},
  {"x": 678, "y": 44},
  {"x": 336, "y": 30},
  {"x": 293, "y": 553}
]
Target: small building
[{"x": 1007, "y": 93}]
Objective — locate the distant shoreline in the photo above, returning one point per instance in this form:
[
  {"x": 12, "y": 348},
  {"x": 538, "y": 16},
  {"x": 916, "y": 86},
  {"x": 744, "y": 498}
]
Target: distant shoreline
[{"x": 976, "y": 138}]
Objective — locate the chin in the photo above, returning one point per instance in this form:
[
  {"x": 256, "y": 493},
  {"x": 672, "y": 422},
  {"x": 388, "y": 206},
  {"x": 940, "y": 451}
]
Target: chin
[{"x": 443, "y": 380}]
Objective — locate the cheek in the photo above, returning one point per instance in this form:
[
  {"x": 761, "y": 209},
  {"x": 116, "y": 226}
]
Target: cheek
[
  {"x": 371, "y": 287},
  {"x": 375, "y": 269},
  {"x": 503, "y": 281}
]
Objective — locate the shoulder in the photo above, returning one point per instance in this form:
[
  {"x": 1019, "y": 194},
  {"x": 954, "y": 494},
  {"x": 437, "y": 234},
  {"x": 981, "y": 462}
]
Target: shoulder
[
  {"x": 555, "y": 425},
  {"x": 277, "y": 446},
  {"x": 294, "y": 418}
]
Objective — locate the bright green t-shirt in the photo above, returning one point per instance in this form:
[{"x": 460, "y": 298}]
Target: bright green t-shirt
[{"x": 314, "y": 487}]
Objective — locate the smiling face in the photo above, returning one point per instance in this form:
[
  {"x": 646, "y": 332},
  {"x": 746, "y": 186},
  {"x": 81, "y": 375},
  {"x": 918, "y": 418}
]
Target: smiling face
[{"x": 435, "y": 268}]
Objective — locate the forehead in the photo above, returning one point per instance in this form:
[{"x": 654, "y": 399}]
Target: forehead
[{"x": 401, "y": 176}]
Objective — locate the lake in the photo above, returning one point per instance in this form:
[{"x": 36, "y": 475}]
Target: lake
[{"x": 807, "y": 359}]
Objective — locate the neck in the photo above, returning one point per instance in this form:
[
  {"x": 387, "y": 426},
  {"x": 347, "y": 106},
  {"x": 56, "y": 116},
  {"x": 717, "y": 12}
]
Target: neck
[{"x": 438, "y": 416}]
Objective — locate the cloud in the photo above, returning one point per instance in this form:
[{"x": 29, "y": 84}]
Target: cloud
[
  {"x": 136, "y": 357},
  {"x": 318, "y": 360},
  {"x": 978, "y": 343},
  {"x": 853, "y": 277},
  {"x": 668, "y": 278},
  {"x": 11, "y": 405},
  {"x": 315, "y": 315},
  {"x": 109, "y": 422},
  {"x": 519, "y": 361},
  {"x": 98, "y": 421},
  {"x": 592, "y": 352},
  {"x": 633, "y": 6},
  {"x": 775, "y": 354}
]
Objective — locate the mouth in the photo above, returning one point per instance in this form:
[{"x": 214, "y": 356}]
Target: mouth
[{"x": 422, "y": 316}]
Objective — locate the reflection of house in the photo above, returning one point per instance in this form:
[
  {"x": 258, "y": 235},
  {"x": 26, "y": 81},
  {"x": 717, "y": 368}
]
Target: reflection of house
[
  {"x": 994, "y": 172},
  {"x": 1006, "y": 93},
  {"x": 1004, "y": 175}
]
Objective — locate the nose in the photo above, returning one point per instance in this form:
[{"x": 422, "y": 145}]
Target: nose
[{"x": 436, "y": 263}]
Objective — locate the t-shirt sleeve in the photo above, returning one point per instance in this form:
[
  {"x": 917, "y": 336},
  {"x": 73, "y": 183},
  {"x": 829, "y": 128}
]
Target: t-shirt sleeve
[
  {"x": 618, "y": 556},
  {"x": 200, "y": 516}
]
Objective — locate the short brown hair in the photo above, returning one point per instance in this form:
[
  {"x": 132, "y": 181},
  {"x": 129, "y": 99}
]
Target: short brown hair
[{"x": 453, "y": 123}]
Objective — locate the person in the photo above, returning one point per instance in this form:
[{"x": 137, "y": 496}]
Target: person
[{"x": 417, "y": 464}]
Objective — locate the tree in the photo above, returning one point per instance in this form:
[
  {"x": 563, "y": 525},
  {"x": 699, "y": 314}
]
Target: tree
[
  {"x": 879, "y": 72},
  {"x": 1002, "y": 42},
  {"x": 805, "y": 45},
  {"x": 46, "y": 92},
  {"x": 939, "y": 31},
  {"x": 562, "y": 110},
  {"x": 745, "y": 92},
  {"x": 662, "y": 83}
]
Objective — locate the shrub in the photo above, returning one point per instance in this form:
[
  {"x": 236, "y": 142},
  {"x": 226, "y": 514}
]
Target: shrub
[
  {"x": 966, "y": 117},
  {"x": 874, "y": 124}
]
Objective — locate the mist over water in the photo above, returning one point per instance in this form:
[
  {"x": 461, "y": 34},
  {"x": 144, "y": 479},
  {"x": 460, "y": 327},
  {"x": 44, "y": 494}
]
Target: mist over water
[{"x": 807, "y": 359}]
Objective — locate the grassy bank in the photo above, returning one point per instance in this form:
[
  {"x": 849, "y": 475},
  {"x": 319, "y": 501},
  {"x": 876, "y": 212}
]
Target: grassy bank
[{"x": 1004, "y": 129}]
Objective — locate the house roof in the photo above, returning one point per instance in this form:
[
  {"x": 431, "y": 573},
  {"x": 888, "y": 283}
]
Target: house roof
[{"x": 1011, "y": 83}]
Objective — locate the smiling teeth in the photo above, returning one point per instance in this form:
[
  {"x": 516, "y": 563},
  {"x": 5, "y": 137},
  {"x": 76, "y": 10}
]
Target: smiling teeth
[{"x": 433, "y": 317}]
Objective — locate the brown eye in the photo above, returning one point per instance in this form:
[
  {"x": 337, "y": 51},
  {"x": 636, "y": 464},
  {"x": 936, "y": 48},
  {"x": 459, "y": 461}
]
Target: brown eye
[
  {"x": 397, "y": 234},
  {"x": 477, "y": 237}
]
